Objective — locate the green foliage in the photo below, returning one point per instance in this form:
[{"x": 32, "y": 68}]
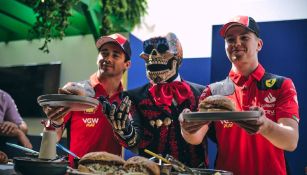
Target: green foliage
[
  {"x": 121, "y": 15},
  {"x": 51, "y": 20},
  {"x": 52, "y": 17}
]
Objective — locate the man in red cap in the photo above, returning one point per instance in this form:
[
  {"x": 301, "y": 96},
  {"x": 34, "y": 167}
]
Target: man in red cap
[
  {"x": 89, "y": 130},
  {"x": 250, "y": 146}
]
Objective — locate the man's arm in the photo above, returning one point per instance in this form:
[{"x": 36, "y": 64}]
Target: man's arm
[
  {"x": 283, "y": 134},
  {"x": 11, "y": 130},
  {"x": 197, "y": 137},
  {"x": 56, "y": 114},
  {"x": 193, "y": 132},
  {"x": 23, "y": 127},
  {"x": 8, "y": 129}
]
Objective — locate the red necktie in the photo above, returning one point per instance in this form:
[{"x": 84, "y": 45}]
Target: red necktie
[{"x": 164, "y": 93}]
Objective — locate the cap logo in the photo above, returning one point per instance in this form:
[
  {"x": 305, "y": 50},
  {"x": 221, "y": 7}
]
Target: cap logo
[
  {"x": 236, "y": 19},
  {"x": 118, "y": 38}
]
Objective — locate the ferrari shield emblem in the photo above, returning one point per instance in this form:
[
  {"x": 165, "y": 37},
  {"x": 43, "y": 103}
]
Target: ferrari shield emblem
[{"x": 269, "y": 83}]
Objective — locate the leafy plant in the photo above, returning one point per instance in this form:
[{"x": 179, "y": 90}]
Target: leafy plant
[
  {"x": 51, "y": 20},
  {"x": 121, "y": 15},
  {"x": 52, "y": 17}
]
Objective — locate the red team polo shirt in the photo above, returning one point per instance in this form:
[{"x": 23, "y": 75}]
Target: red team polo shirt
[
  {"x": 90, "y": 130},
  {"x": 240, "y": 152}
]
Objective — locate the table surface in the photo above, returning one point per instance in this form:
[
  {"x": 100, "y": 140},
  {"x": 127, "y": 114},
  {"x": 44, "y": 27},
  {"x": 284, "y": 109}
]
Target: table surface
[{"x": 7, "y": 169}]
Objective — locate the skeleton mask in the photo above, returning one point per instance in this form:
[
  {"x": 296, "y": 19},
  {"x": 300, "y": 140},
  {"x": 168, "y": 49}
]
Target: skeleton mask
[{"x": 162, "y": 55}]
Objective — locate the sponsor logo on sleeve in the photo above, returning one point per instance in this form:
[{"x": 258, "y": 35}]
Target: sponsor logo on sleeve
[
  {"x": 269, "y": 83},
  {"x": 270, "y": 98}
]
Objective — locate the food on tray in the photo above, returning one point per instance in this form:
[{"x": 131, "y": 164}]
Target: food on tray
[
  {"x": 73, "y": 89},
  {"x": 138, "y": 164},
  {"x": 97, "y": 162},
  {"x": 103, "y": 162},
  {"x": 216, "y": 103}
]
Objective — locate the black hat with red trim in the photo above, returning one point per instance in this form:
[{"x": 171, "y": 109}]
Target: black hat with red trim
[
  {"x": 118, "y": 39},
  {"x": 245, "y": 21}
]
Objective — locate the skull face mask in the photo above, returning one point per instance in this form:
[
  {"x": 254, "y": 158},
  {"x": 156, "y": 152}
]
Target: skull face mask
[{"x": 163, "y": 56}]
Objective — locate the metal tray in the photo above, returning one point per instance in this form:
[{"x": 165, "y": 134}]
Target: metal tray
[
  {"x": 35, "y": 166},
  {"x": 215, "y": 116},
  {"x": 198, "y": 171},
  {"x": 75, "y": 102}
]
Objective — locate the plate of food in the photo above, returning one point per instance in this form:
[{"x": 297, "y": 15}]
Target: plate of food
[
  {"x": 104, "y": 163},
  {"x": 75, "y": 102},
  {"x": 221, "y": 115},
  {"x": 217, "y": 107}
]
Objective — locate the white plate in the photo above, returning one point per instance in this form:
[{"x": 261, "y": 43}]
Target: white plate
[
  {"x": 75, "y": 102},
  {"x": 227, "y": 115}
]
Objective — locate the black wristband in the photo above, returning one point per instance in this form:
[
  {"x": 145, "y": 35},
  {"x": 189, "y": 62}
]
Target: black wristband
[{"x": 57, "y": 125}]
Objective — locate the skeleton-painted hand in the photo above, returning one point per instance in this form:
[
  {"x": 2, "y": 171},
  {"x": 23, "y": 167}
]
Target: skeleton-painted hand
[{"x": 117, "y": 115}]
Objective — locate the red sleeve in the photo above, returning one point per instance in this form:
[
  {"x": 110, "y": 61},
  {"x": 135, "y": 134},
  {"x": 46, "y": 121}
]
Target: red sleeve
[
  {"x": 287, "y": 103},
  {"x": 206, "y": 93},
  {"x": 67, "y": 117}
]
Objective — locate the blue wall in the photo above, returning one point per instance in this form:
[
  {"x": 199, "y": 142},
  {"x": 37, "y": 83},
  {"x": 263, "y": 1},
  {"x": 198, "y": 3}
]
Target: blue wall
[
  {"x": 284, "y": 53},
  {"x": 136, "y": 73}
]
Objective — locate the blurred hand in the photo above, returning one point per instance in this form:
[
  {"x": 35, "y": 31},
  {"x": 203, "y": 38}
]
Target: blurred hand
[
  {"x": 190, "y": 127},
  {"x": 117, "y": 115},
  {"x": 56, "y": 113},
  {"x": 23, "y": 139},
  {"x": 8, "y": 128},
  {"x": 253, "y": 126}
]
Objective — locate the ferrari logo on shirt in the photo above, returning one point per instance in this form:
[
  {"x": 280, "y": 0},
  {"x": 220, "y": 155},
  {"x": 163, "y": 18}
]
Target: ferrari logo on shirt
[
  {"x": 90, "y": 122},
  {"x": 269, "y": 83}
]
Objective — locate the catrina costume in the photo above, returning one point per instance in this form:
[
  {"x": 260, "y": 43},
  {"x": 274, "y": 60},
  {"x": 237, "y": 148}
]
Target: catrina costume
[{"x": 156, "y": 106}]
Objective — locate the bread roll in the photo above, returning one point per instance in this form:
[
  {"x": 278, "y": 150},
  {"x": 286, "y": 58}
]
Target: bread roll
[
  {"x": 97, "y": 162},
  {"x": 138, "y": 164},
  {"x": 216, "y": 103},
  {"x": 72, "y": 88}
]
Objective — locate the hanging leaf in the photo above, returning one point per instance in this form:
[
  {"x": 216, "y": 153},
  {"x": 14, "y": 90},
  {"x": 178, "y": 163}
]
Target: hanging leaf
[
  {"x": 121, "y": 15},
  {"x": 52, "y": 17}
]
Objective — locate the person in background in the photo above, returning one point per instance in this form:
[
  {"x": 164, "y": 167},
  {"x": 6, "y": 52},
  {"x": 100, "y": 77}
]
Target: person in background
[
  {"x": 155, "y": 107},
  {"x": 89, "y": 130},
  {"x": 250, "y": 146},
  {"x": 11, "y": 123}
]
